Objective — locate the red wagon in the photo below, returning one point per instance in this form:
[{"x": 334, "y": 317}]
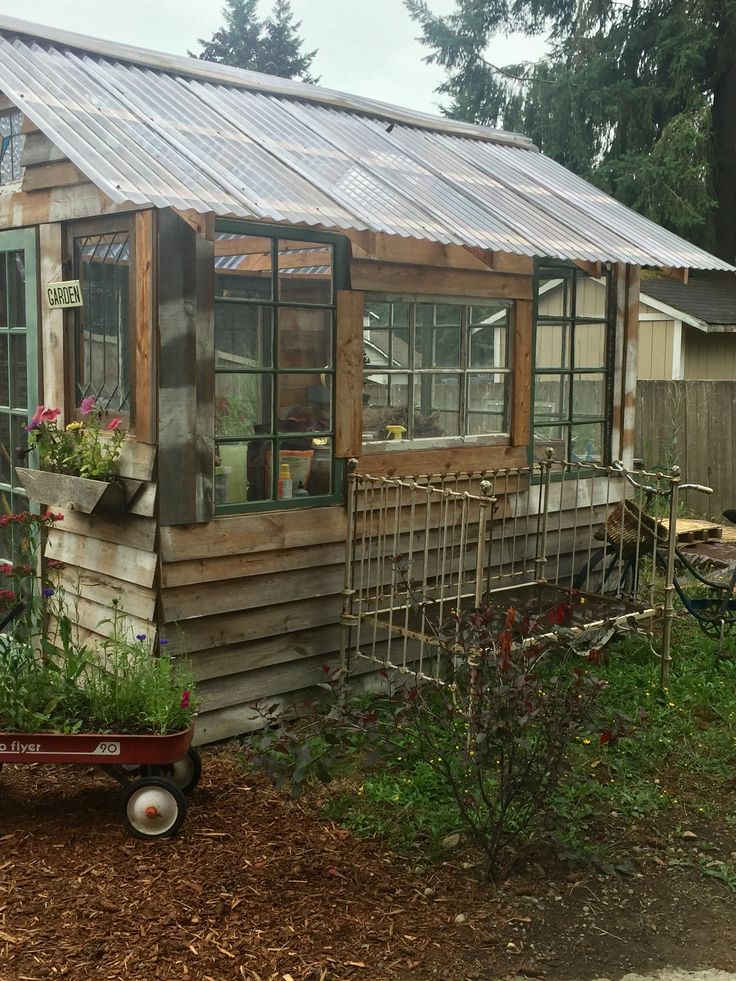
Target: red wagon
[{"x": 156, "y": 772}]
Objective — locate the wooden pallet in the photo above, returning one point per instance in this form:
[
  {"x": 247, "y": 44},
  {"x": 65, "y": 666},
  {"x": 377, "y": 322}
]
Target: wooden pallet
[{"x": 693, "y": 530}]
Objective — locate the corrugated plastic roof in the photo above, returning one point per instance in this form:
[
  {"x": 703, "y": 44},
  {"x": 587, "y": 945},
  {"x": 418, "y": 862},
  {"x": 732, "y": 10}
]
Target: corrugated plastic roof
[{"x": 177, "y": 132}]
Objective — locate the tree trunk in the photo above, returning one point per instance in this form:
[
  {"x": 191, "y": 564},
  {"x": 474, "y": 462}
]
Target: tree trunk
[{"x": 724, "y": 137}]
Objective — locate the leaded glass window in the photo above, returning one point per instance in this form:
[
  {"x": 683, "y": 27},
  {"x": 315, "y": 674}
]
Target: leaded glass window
[{"x": 11, "y": 146}]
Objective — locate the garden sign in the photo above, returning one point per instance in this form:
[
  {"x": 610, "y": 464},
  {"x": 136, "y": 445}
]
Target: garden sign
[{"x": 63, "y": 295}]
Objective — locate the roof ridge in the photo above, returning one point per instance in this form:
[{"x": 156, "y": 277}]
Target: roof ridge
[{"x": 257, "y": 82}]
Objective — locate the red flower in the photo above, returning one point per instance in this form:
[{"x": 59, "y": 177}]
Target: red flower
[
  {"x": 114, "y": 423},
  {"x": 185, "y": 696}
]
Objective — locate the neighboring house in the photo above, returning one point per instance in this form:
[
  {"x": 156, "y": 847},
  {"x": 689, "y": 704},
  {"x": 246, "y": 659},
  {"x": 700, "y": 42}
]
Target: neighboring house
[{"x": 273, "y": 274}]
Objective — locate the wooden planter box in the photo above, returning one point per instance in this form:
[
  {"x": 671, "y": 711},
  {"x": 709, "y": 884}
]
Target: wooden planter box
[{"x": 78, "y": 493}]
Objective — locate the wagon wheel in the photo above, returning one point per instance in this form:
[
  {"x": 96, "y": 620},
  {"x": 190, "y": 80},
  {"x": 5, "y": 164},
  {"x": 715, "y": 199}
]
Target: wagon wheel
[
  {"x": 153, "y": 808},
  {"x": 184, "y": 774}
]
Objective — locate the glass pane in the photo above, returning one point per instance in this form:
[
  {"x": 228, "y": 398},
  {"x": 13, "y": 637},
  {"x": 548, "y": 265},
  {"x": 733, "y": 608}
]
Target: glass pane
[
  {"x": 554, "y": 296},
  {"x": 495, "y": 313},
  {"x": 591, "y": 299},
  {"x": 377, "y": 347},
  {"x": 377, "y": 314},
  {"x": 11, "y": 146},
  {"x": 305, "y": 338},
  {"x": 243, "y": 266},
  {"x": 589, "y": 393},
  {"x": 400, "y": 314},
  {"x": 587, "y": 442},
  {"x": 243, "y": 336},
  {"x": 448, "y": 314},
  {"x": 304, "y": 405},
  {"x": 550, "y": 437},
  {"x": 4, "y": 369},
  {"x": 305, "y": 272},
  {"x": 19, "y": 372},
  {"x": 552, "y": 397},
  {"x": 385, "y": 400},
  {"x": 16, "y": 290},
  {"x": 102, "y": 335},
  {"x": 313, "y": 476},
  {"x": 488, "y": 347},
  {"x": 553, "y": 345},
  {"x": 590, "y": 345},
  {"x": 437, "y": 347},
  {"x": 243, "y": 404},
  {"x": 241, "y": 471},
  {"x": 488, "y": 396},
  {"x": 436, "y": 405}
]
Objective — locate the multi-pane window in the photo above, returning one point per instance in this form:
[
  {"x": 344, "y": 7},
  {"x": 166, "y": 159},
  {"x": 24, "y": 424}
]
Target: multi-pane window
[
  {"x": 573, "y": 374},
  {"x": 104, "y": 352},
  {"x": 435, "y": 369},
  {"x": 11, "y": 146},
  {"x": 274, "y": 369}
]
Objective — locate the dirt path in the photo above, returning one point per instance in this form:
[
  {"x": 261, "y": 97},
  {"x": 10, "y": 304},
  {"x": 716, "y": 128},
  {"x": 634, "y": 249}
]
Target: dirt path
[{"x": 263, "y": 889}]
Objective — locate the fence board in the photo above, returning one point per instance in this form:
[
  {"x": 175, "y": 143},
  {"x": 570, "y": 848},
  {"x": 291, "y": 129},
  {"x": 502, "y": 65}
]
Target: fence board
[{"x": 690, "y": 423}]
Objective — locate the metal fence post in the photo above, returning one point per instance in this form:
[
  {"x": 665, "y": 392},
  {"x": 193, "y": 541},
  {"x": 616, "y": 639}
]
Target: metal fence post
[{"x": 669, "y": 588}]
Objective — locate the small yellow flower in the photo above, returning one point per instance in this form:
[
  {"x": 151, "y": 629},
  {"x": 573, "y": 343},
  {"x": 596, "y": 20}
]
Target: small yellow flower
[
  {"x": 586, "y": 742},
  {"x": 74, "y": 426},
  {"x": 671, "y": 704}
]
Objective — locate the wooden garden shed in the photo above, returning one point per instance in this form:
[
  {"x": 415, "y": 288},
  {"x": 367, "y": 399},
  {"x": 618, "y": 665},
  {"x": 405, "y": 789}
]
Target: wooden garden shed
[{"x": 276, "y": 278}]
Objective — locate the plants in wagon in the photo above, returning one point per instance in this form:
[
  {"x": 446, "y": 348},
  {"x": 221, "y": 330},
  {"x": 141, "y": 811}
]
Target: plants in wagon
[{"x": 51, "y": 682}]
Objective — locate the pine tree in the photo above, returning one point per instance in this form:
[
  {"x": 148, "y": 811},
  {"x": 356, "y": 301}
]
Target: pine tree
[
  {"x": 638, "y": 97},
  {"x": 272, "y": 46}
]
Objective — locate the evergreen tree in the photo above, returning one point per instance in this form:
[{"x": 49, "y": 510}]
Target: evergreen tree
[
  {"x": 272, "y": 45},
  {"x": 638, "y": 97}
]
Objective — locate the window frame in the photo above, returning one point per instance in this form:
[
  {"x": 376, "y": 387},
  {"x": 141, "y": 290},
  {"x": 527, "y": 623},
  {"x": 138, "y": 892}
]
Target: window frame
[
  {"x": 464, "y": 369},
  {"x": 122, "y": 223},
  {"x": 339, "y": 282},
  {"x": 547, "y": 269}
]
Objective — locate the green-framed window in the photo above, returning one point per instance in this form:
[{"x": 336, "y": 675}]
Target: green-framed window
[
  {"x": 573, "y": 364},
  {"x": 436, "y": 368},
  {"x": 275, "y": 322}
]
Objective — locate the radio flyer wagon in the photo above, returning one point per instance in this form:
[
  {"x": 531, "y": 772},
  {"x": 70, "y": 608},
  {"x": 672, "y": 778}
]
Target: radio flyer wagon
[{"x": 156, "y": 772}]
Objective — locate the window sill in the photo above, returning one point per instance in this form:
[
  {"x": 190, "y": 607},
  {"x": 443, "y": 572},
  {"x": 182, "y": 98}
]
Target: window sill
[{"x": 431, "y": 443}]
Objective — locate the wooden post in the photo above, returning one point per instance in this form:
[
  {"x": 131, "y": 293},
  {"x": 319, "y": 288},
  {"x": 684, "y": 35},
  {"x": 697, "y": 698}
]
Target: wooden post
[
  {"x": 349, "y": 375},
  {"x": 145, "y": 338},
  {"x": 522, "y": 374},
  {"x": 186, "y": 372},
  {"x": 53, "y": 356}
]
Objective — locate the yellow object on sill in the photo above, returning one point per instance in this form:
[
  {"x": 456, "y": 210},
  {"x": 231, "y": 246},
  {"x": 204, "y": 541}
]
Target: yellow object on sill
[{"x": 395, "y": 432}]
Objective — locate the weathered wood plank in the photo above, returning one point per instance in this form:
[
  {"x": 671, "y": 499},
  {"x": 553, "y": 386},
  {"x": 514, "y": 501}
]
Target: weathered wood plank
[
  {"x": 522, "y": 374},
  {"x": 56, "y": 204},
  {"x": 236, "y": 628},
  {"x": 250, "y": 533},
  {"x": 137, "y": 459},
  {"x": 146, "y": 423},
  {"x": 349, "y": 374},
  {"x": 120, "y": 561},
  {"x": 186, "y": 372},
  {"x": 52, "y": 335},
  {"x": 62, "y": 173},
  {"x": 38, "y": 149},
  {"x": 436, "y": 461},
  {"x": 367, "y": 274},
  {"x": 207, "y": 599},
  {"x": 265, "y": 652},
  {"x": 137, "y": 601},
  {"x": 221, "y": 569},
  {"x": 144, "y": 504},
  {"x": 135, "y": 532}
]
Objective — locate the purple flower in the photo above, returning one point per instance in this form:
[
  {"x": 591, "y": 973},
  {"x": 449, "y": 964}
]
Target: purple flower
[
  {"x": 88, "y": 404},
  {"x": 33, "y": 424},
  {"x": 48, "y": 591},
  {"x": 163, "y": 643},
  {"x": 140, "y": 637}
]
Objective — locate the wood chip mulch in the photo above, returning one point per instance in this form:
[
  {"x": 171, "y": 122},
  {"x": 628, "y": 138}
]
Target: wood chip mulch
[{"x": 256, "y": 887}]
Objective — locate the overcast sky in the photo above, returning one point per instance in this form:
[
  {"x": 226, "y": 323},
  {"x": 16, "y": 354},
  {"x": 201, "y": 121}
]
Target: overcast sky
[{"x": 366, "y": 47}]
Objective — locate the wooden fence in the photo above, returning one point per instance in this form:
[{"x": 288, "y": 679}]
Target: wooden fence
[{"x": 691, "y": 424}]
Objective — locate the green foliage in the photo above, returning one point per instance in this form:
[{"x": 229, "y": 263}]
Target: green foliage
[
  {"x": 631, "y": 96},
  {"x": 272, "y": 45},
  {"x": 49, "y": 681},
  {"x": 80, "y": 449}
]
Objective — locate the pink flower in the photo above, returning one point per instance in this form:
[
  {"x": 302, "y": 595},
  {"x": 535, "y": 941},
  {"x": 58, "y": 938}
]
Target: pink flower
[
  {"x": 114, "y": 423},
  {"x": 185, "y": 696},
  {"x": 88, "y": 404},
  {"x": 50, "y": 415}
]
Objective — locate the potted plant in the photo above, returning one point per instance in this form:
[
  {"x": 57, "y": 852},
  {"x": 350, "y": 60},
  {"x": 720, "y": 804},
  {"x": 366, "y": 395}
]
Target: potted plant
[
  {"x": 78, "y": 463},
  {"x": 124, "y": 704}
]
